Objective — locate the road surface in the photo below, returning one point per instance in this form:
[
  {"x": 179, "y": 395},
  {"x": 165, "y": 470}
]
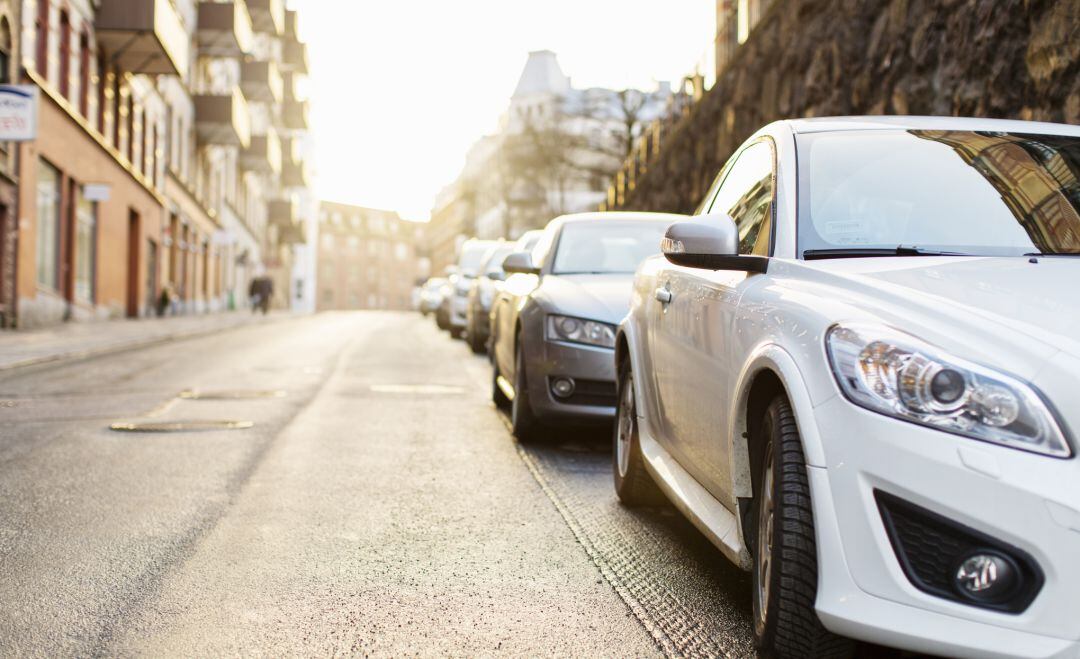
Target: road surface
[{"x": 377, "y": 505}]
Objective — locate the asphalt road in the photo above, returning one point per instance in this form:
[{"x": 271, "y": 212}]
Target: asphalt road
[{"x": 378, "y": 505}]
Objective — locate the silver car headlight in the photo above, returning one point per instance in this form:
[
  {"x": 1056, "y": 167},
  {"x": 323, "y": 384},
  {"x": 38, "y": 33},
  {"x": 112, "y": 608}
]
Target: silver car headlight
[
  {"x": 579, "y": 330},
  {"x": 895, "y": 374}
]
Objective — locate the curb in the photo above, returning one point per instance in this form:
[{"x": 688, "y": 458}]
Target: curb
[{"x": 131, "y": 345}]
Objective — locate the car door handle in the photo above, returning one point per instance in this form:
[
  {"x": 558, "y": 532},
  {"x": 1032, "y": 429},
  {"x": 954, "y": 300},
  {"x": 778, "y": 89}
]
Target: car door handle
[{"x": 664, "y": 295}]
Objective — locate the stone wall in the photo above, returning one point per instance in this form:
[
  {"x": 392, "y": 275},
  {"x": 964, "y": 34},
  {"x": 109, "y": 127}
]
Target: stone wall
[{"x": 983, "y": 58}]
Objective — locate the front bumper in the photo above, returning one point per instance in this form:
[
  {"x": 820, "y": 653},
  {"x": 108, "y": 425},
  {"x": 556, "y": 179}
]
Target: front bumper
[
  {"x": 592, "y": 367},
  {"x": 1028, "y": 501}
]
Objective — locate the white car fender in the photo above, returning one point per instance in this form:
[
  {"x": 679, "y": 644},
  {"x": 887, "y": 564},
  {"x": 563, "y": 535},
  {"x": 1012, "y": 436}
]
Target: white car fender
[{"x": 772, "y": 357}]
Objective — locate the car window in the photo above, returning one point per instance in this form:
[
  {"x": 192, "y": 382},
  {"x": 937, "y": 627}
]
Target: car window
[
  {"x": 985, "y": 193},
  {"x": 472, "y": 253},
  {"x": 543, "y": 246},
  {"x": 747, "y": 196},
  {"x": 494, "y": 258},
  {"x": 606, "y": 246}
]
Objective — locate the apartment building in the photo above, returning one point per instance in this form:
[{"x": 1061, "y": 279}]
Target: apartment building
[
  {"x": 157, "y": 171},
  {"x": 368, "y": 258}
]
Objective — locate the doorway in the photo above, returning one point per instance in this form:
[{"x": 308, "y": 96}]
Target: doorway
[{"x": 133, "y": 264}]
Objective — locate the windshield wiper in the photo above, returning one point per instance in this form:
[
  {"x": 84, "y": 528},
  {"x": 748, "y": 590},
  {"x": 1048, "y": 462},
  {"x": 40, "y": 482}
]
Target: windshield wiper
[{"x": 865, "y": 252}]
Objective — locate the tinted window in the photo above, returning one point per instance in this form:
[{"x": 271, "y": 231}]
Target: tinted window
[
  {"x": 606, "y": 246},
  {"x": 747, "y": 195},
  {"x": 972, "y": 192},
  {"x": 471, "y": 256}
]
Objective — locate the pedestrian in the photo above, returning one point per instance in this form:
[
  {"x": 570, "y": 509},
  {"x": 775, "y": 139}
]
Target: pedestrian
[{"x": 261, "y": 291}]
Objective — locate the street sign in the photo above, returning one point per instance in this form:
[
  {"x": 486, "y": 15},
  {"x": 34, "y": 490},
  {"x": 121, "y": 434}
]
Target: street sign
[
  {"x": 96, "y": 191},
  {"x": 18, "y": 113}
]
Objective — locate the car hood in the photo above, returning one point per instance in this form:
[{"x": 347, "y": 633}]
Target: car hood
[
  {"x": 1017, "y": 301},
  {"x": 594, "y": 297}
]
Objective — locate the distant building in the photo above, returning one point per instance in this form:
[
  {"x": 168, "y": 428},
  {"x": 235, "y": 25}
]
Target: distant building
[
  {"x": 158, "y": 166},
  {"x": 555, "y": 151},
  {"x": 367, "y": 258},
  {"x": 735, "y": 19}
]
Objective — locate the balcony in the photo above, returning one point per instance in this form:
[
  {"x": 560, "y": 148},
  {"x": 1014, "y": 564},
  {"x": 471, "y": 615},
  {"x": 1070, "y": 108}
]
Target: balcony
[
  {"x": 267, "y": 15},
  {"x": 294, "y": 114},
  {"x": 263, "y": 155},
  {"x": 223, "y": 119},
  {"x": 294, "y": 173},
  {"x": 224, "y": 29},
  {"x": 294, "y": 56},
  {"x": 281, "y": 212},
  {"x": 262, "y": 82},
  {"x": 293, "y": 234},
  {"x": 143, "y": 37},
  {"x": 291, "y": 29}
]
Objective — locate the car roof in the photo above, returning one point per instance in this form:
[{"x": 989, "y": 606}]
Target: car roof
[
  {"x": 608, "y": 216},
  {"x": 832, "y": 124}
]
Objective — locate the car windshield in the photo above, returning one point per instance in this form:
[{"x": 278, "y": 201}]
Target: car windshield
[
  {"x": 493, "y": 259},
  {"x": 606, "y": 246},
  {"x": 982, "y": 193},
  {"x": 471, "y": 256}
]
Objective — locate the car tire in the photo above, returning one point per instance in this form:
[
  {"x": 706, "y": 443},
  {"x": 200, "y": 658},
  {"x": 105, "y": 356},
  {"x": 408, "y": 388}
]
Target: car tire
[
  {"x": 523, "y": 422},
  {"x": 475, "y": 344},
  {"x": 633, "y": 484},
  {"x": 497, "y": 395},
  {"x": 784, "y": 546}
]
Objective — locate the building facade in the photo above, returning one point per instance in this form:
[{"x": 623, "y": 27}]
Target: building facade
[
  {"x": 556, "y": 149},
  {"x": 368, "y": 258},
  {"x": 156, "y": 183}
]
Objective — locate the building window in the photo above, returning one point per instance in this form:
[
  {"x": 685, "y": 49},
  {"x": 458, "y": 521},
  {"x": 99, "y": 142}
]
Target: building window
[
  {"x": 354, "y": 242},
  {"x": 327, "y": 241},
  {"x": 116, "y": 108},
  {"x": 84, "y": 74},
  {"x": 5, "y": 51},
  {"x": 65, "y": 55},
  {"x": 101, "y": 91},
  {"x": 41, "y": 40},
  {"x": 85, "y": 248},
  {"x": 48, "y": 225},
  {"x": 401, "y": 252},
  {"x": 328, "y": 296}
]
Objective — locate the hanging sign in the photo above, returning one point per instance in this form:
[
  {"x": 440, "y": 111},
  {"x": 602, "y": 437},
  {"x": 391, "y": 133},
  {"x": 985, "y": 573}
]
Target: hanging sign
[{"x": 18, "y": 113}]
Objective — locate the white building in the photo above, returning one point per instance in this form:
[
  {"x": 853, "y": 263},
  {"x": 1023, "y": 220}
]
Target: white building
[{"x": 554, "y": 152}]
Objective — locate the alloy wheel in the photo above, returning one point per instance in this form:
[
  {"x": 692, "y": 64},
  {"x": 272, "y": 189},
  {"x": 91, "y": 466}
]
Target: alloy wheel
[
  {"x": 626, "y": 424},
  {"x": 764, "y": 550}
]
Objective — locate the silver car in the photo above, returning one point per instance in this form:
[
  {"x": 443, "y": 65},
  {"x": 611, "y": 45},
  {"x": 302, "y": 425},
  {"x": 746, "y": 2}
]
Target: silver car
[
  {"x": 468, "y": 268},
  {"x": 487, "y": 286},
  {"x": 554, "y": 322}
]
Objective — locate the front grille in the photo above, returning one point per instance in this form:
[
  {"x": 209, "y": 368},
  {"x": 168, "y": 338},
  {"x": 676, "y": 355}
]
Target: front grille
[
  {"x": 930, "y": 547},
  {"x": 596, "y": 393}
]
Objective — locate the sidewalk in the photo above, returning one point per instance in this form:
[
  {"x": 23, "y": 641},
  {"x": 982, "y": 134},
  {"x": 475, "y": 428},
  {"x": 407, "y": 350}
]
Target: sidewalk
[{"x": 76, "y": 340}]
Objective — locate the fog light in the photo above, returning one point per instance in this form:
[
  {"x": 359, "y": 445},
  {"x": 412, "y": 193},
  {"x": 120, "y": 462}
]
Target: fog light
[
  {"x": 562, "y": 387},
  {"x": 987, "y": 577}
]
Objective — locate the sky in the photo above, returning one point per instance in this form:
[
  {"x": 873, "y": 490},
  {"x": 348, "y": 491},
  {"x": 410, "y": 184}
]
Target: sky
[{"x": 401, "y": 88}]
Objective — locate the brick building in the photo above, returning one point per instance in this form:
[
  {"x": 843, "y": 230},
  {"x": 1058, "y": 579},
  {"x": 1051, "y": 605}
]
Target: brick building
[
  {"x": 158, "y": 163},
  {"x": 368, "y": 258}
]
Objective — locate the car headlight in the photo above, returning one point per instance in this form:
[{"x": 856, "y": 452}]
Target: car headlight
[
  {"x": 895, "y": 374},
  {"x": 578, "y": 330}
]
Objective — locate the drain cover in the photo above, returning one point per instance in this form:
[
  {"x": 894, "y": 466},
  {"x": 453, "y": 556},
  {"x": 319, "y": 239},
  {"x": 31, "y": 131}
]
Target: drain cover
[
  {"x": 416, "y": 389},
  {"x": 179, "y": 426},
  {"x": 231, "y": 394}
]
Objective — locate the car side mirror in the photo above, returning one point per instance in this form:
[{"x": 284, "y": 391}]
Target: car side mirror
[
  {"x": 709, "y": 242},
  {"x": 520, "y": 263}
]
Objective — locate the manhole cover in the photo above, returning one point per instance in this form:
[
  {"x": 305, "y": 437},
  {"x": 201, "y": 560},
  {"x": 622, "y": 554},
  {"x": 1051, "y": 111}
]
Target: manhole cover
[
  {"x": 422, "y": 389},
  {"x": 231, "y": 394},
  {"x": 179, "y": 426}
]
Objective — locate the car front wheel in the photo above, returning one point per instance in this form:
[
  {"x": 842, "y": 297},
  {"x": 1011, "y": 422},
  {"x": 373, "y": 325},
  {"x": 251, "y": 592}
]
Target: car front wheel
[
  {"x": 522, "y": 421},
  {"x": 633, "y": 484},
  {"x": 785, "y": 549}
]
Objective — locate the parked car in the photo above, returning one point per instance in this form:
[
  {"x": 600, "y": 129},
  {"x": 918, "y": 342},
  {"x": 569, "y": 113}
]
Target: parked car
[
  {"x": 445, "y": 295},
  {"x": 554, "y": 322},
  {"x": 468, "y": 268},
  {"x": 431, "y": 295},
  {"x": 856, "y": 373},
  {"x": 486, "y": 286}
]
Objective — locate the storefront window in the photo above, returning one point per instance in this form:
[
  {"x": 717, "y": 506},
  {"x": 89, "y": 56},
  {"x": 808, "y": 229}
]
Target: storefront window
[
  {"x": 85, "y": 249},
  {"x": 48, "y": 225}
]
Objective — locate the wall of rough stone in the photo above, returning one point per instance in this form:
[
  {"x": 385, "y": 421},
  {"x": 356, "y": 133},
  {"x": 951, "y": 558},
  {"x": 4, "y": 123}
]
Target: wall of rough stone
[{"x": 983, "y": 58}]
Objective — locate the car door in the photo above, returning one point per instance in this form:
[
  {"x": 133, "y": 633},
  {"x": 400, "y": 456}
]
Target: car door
[{"x": 694, "y": 343}]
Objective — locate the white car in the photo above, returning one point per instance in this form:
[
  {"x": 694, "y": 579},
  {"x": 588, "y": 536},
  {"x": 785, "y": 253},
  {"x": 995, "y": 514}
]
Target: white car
[{"x": 857, "y": 371}]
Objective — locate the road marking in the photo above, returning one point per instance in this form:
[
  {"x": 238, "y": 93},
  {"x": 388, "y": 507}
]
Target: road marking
[{"x": 179, "y": 426}]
